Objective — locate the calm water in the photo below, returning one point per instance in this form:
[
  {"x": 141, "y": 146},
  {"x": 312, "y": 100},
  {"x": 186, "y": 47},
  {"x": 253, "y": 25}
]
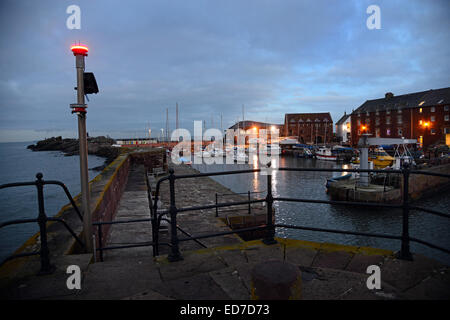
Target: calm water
[
  {"x": 18, "y": 164},
  {"x": 312, "y": 185}
]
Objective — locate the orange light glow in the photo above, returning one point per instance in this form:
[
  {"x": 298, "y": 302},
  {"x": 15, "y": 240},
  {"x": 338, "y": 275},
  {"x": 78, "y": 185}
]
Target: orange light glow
[
  {"x": 254, "y": 128},
  {"x": 426, "y": 124},
  {"x": 79, "y": 49},
  {"x": 363, "y": 128}
]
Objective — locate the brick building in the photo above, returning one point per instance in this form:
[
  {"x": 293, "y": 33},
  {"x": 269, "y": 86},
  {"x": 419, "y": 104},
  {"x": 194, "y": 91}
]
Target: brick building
[
  {"x": 309, "y": 127},
  {"x": 424, "y": 116}
]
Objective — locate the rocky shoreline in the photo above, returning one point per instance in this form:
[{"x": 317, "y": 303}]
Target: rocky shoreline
[{"x": 99, "y": 146}]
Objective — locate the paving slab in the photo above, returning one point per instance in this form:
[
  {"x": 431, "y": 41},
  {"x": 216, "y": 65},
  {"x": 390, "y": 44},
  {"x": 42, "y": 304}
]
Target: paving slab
[
  {"x": 232, "y": 257},
  {"x": 192, "y": 263},
  {"x": 360, "y": 262},
  {"x": 261, "y": 252},
  {"x": 332, "y": 259},
  {"x": 231, "y": 283},
  {"x": 119, "y": 279},
  {"x": 332, "y": 284},
  {"x": 434, "y": 287},
  {"x": 300, "y": 256},
  {"x": 403, "y": 274},
  {"x": 50, "y": 286},
  {"x": 199, "y": 286}
]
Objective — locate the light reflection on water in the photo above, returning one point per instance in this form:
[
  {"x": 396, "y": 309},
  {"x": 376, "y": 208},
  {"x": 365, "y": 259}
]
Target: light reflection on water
[{"x": 311, "y": 185}]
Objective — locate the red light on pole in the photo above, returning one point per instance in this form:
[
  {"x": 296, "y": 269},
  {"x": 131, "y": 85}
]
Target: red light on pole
[{"x": 79, "y": 49}]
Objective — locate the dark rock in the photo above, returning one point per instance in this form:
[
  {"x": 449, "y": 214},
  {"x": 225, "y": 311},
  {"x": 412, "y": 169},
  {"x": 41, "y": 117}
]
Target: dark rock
[{"x": 99, "y": 146}]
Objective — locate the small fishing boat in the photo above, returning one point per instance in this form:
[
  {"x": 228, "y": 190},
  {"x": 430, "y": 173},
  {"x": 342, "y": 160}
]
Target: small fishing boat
[
  {"x": 336, "y": 179},
  {"x": 325, "y": 153},
  {"x": 380, "y": 158}
]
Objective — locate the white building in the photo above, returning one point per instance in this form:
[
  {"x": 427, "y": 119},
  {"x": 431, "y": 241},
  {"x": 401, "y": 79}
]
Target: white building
[{"x": 343, "y": 129}]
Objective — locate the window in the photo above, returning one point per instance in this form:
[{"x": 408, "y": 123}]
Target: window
[
  {"x": 358, "y": 122},
  {"x": 399, "y": 111},
  {"x": 377, "y": 132},
  {"x": 388, "y": 111},
  {"x": 367, "y": 113},
  {"x": 446, "y": 130},
  {"x": 377, "y": 112},
  {"x": 445, "y": 108},
  {"x": 433, "y": 118},
  {"x": 399, "y": 119},
  {"x": 433, "y": 131},
  {"x": 433, "y": 109},
  {"x": 446, "y": 117},
  {"x": 377, "y": 121},
  {"x": 420, "y": 110},
  {"x": 367, "y": 120},
  {"x": 400, "y": 132},
  {"x": 388, "y": 132},
  {"x": 388, "y": 120}
]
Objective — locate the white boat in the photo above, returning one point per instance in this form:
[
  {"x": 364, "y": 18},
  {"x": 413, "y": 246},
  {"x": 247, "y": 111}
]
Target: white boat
[
  {"x": 206, "y": 154},
  {"x": 217, "y": 153},
  {"x": 271, "y": 149},
  {"x": 240, "y": 157},
  {"x": 325, "y": 154}
]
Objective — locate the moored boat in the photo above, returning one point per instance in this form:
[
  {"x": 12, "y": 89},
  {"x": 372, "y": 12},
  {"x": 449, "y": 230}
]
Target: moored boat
[{"x": 325, "y": 153}]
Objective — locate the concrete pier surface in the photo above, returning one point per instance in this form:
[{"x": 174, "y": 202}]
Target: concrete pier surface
[{"x": 222, "y": 271}]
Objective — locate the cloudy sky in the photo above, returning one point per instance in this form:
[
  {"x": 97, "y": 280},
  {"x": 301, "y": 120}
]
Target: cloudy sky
[{"x": 212, "y": 57}]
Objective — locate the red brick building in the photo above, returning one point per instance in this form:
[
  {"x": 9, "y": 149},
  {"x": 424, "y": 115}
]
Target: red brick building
[
  {"x": 312, "y": 128},
  {"x": 424, "y": 116}
]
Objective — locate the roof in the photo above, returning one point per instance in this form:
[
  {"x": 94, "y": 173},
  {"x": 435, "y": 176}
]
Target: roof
[
  {"x": 406, "y": 101},
  {"x": 249, "y": 124},
  {"x": 312, "y": 117},
  {"x": 343, "y": 119}
]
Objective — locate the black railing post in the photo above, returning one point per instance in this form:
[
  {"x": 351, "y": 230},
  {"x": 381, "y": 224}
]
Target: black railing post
[
  {"x": 405, "y": 253},
  {"x": 269, "y": 239},
  {"x": 46, "y": 267},
  {"x": 175, "y": 252},
  {"x": 100, "y": 242},
  {"x": 217, "y": 209},
  {"x": 249, "y": 205}
]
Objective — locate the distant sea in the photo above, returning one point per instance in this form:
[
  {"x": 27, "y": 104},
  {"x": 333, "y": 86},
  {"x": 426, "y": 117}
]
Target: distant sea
[{"x": 19, "y": 164}]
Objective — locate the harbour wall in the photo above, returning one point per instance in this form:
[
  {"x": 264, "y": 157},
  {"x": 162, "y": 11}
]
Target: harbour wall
[{"x": 419, "y": 185}]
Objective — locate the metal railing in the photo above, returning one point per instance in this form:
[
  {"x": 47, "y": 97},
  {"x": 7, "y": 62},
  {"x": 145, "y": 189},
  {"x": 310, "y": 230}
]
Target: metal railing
[
  {"x": 155, "y": 220},
  {"x": 156, "y": 216},
  {"x": 248, "y": 193},
  {"x": 270, "y": 226},
  {"x": 41, "y": 220}
]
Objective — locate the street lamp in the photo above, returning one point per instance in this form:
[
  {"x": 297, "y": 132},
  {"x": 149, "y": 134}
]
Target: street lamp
[{"x": 85, "y": 84}]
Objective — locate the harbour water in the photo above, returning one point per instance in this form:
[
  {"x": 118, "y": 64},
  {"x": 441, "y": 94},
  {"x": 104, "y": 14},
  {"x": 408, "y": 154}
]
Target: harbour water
[
  {"x": 18, "y": 164},
  {"x": 311, "y": 185}
]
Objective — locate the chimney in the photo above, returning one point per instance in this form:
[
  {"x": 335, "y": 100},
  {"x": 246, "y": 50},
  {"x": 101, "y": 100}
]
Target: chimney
[{"x": 389, "y": 95}]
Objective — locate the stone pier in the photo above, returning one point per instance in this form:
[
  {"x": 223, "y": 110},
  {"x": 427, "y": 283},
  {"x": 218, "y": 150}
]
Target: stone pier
[{"x": 220, "y": 271}]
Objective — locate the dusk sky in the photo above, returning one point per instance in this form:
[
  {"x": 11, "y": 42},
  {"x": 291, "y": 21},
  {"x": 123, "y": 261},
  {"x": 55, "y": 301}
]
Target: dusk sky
[{"x": 212, "y": 57}]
